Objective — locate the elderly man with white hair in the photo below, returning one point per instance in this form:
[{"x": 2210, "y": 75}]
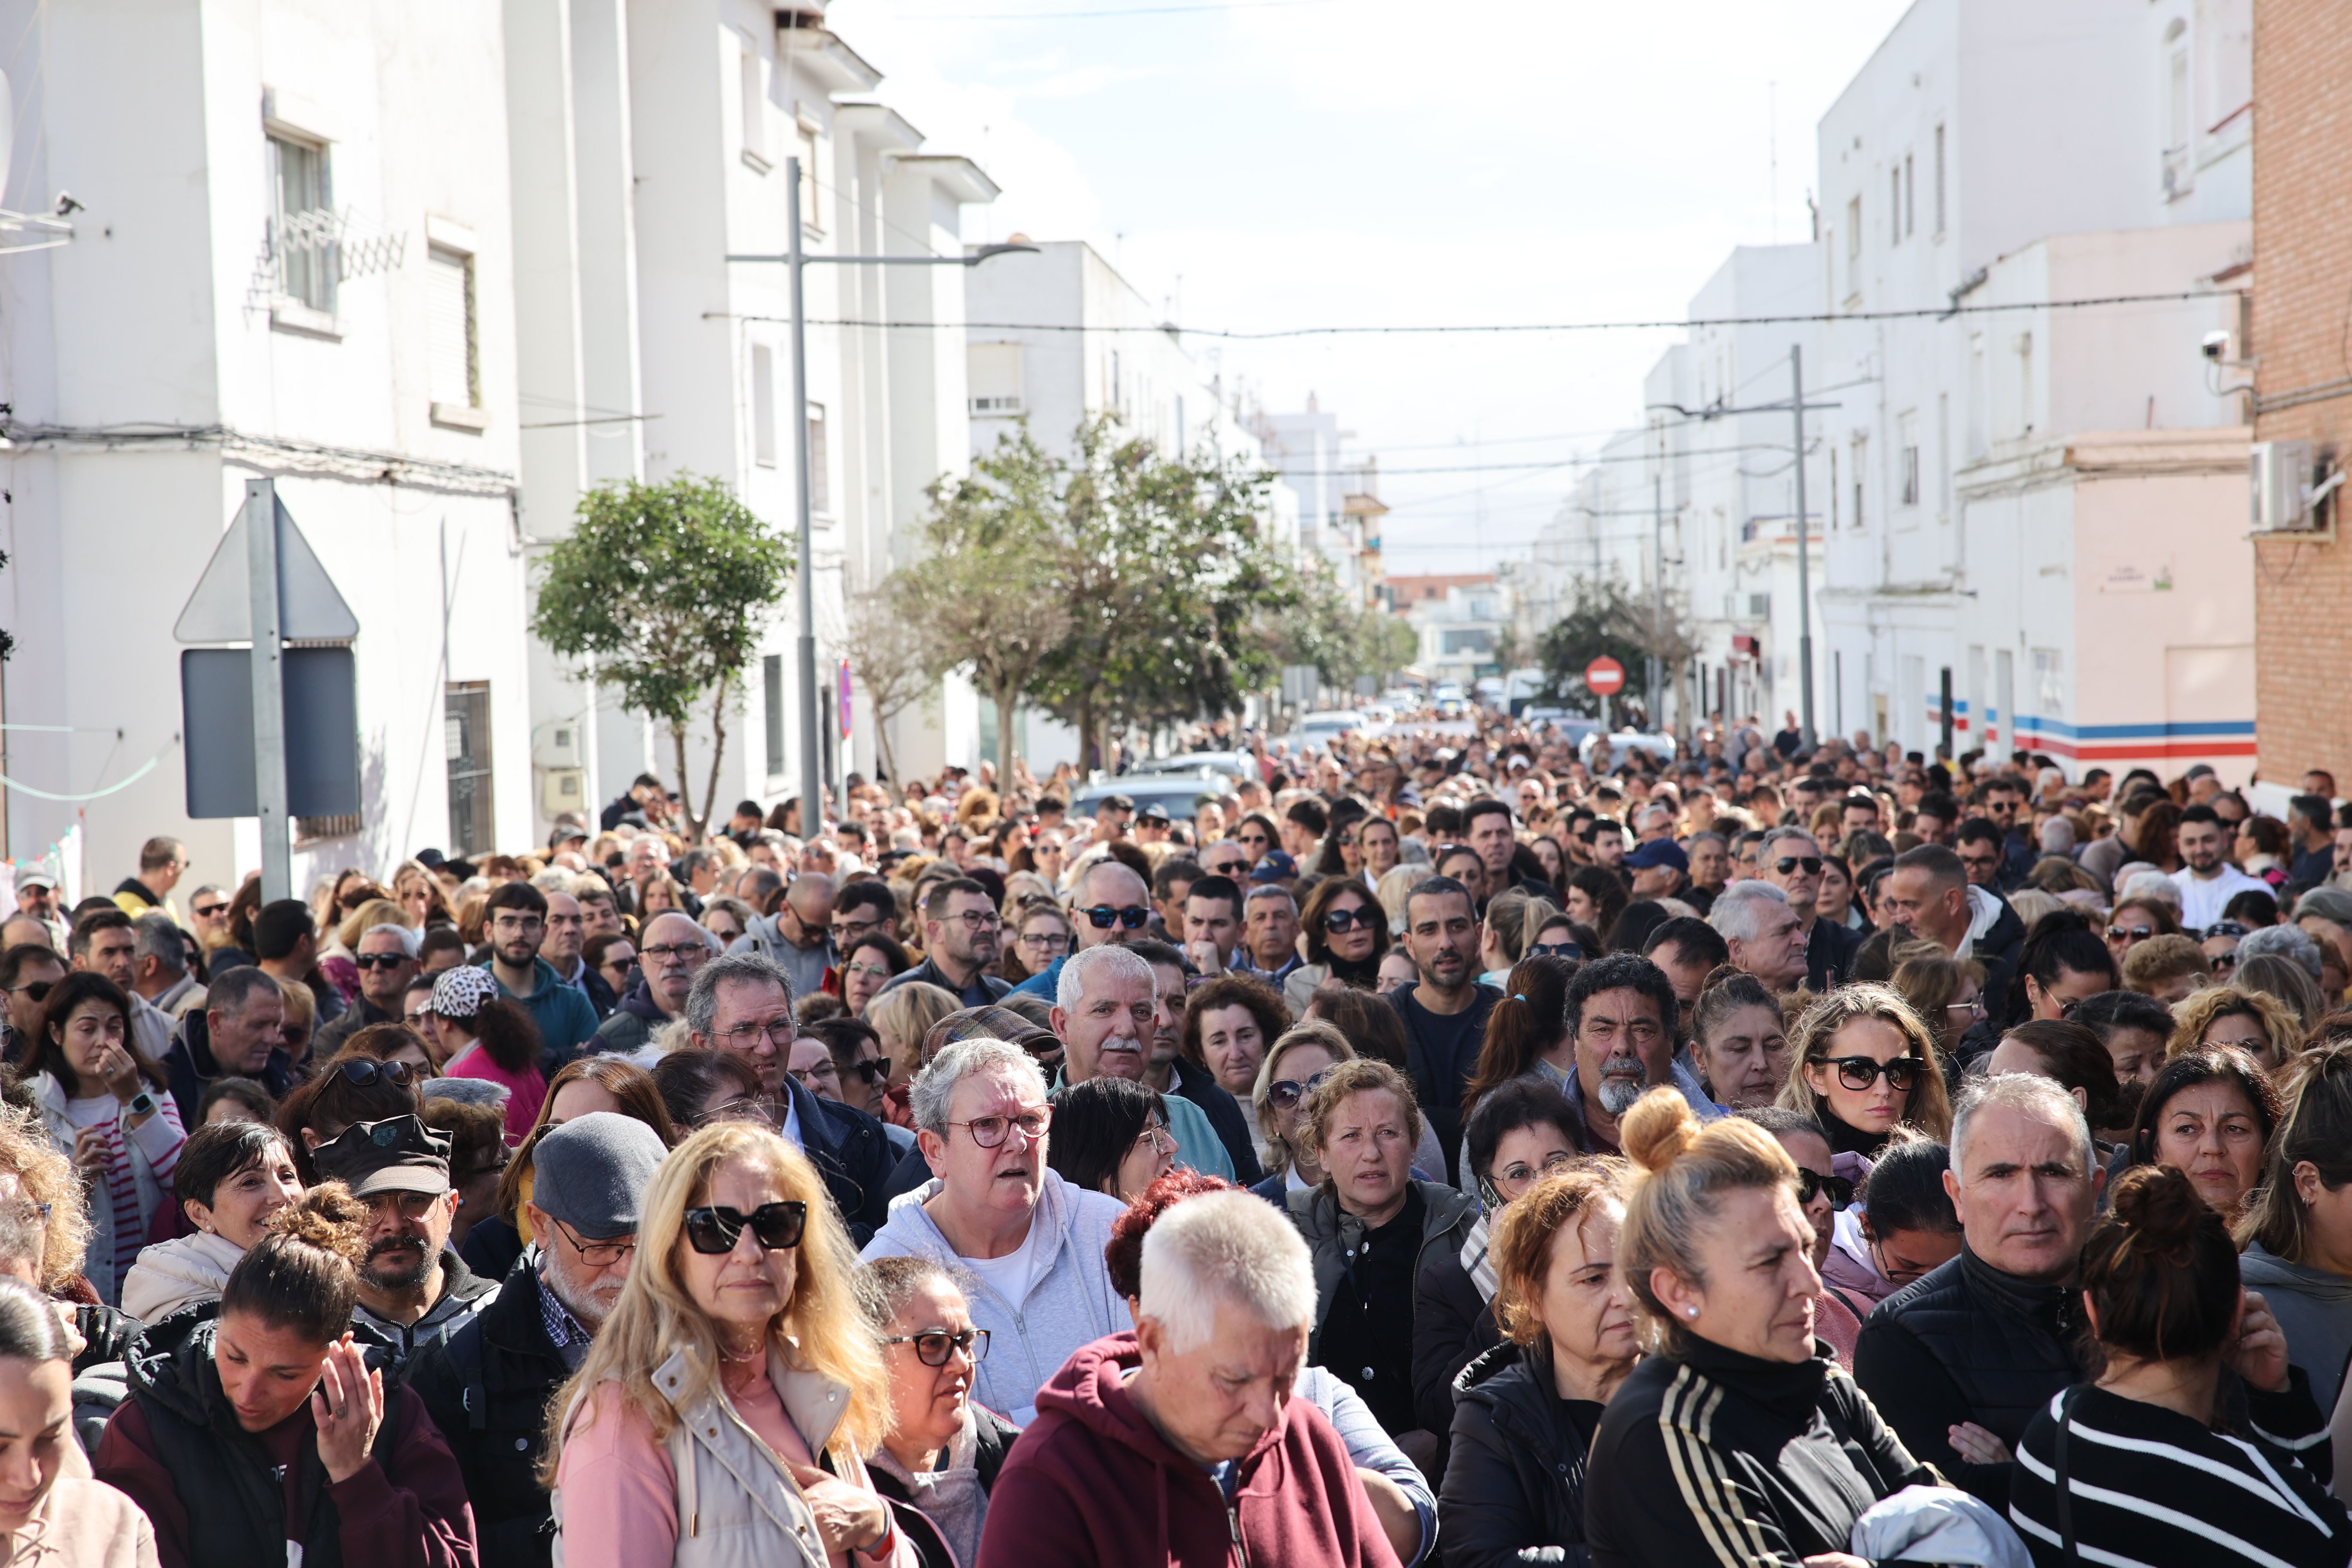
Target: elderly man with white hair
[
  {"x": 1030, "y": 1244},
  {"x": 1961, "y": 1358},
  {"x": 1104, "y": 1014},
  {"x": 1766, "y": 937},
  {"x": 1181, "y": 1442}
]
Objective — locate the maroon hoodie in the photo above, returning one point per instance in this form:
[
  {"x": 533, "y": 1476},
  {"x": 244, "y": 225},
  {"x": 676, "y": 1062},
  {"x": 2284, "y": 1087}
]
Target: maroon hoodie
[{"x": 1091, "y": 1481}]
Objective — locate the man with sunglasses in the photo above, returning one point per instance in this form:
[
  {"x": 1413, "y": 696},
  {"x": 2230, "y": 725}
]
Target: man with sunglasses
[
  {"x": 962, "y": 935},
  {"x": 488, "y": 1384},
  {"x": 413, "y": 1288},
  {"x": 1111, "y": 906},
  {"x": 1791, "y": 861},
  {"x": 27, "y": 971},
  {"x": 386, "y": 961}
]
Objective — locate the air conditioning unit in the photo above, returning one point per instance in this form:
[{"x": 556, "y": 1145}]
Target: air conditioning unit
[
  {"x": 557, "y": 746},
  {"x": 2282, "y": 492},
  {"x": 562, "y": 790}
]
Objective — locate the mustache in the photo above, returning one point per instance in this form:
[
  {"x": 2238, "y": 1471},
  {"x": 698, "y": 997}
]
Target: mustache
[{"x": 394, "y": 1244}]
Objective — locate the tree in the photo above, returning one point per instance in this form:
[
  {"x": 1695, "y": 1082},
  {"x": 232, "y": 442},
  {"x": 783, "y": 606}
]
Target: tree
[
  {"x": 1168, "y": 579},
  {"x": 1603, "y": 621},
  {"x": 660, "y": 591},
  {"x": 987, "y": 594},
  {"x": 1342, "y": 639},
  {"x": 887, "y": 656}
]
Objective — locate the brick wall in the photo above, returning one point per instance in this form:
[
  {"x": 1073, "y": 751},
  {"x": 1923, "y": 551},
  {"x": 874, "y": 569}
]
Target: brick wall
[{"x": 2302, "y": 332}]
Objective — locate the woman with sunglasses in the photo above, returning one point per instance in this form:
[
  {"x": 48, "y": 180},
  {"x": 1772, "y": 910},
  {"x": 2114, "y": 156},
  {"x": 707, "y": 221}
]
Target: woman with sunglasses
[
  {"x": 1293, "y": 1065},
  {"x": 726, "y": 1408},
  {"x": 109, "y": 1108},
  {"x": 356, "y": 1086},
  {"x": 943, "y": 1451},
  {"x": 1347, "y": 936},
  {"x": 231, "y": 1178},
  {"x": 1861, "y": 1063}
]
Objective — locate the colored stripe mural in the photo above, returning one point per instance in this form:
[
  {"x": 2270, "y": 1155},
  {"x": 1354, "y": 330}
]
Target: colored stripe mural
[{"x": 2209, "y": 740}]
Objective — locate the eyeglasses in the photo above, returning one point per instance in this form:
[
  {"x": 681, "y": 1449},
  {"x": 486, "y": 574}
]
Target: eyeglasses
[
  {"x": 850, "y": 930},
  {"x": 2223, "y": 962},
  {"x": 666, "y": 951},
  {"x": 618, "y": 959},
  {"x": 412, "y": 1205},
  {"x": 362, "y": 1071},
  {"x": 517, "y": 925},
  {"x": 364, "y": 962},
  {"x": 979, "y": 919},
  {"x": 1520, "y": 1177},
  {"x": 37, "y": 990},
  {"x": 1859, "y": 1073},
  {"x": 1789, "y": 863},
  {"x": 1132, "y": 917},
  {"x": 989, "y": 1132},
  {"x": 1158, "y": 1136},
  {"x": 933, "y": 1346},
  {"x": 779, "y": 1031},
  {"x": 208, "y": 912},
  {"x": 1284, "y": 1094},
  {"x": 713, "y": 1230},
  {"x": 1228, "y": 868},
  {"x": 1347, "y": 920},
  {"x": 808, "y": 1075},
  {"x": 1555, "y": 950},
  {"x": 2130, "y": 934},
  {"x": 873, "y": 1069},
  {"x": 1812, "y": 1183},
  {"x": 1046, "y": 941},
  {"x": 596, "y": 1254},
  {"x": 1973, "y": 1007},
  {"x": 741, "y": 1109}
]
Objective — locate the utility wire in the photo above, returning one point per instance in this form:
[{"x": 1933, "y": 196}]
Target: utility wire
[
  {"x": 1184, "y": 10},
  {"x": 1492, "y": 328}
]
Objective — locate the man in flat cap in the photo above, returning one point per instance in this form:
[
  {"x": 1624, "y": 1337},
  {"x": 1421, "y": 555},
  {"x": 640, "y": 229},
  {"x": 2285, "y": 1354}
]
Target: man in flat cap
[
  {"x": 413, "y": 1288},
  {"x": 488, "y": 1384}
]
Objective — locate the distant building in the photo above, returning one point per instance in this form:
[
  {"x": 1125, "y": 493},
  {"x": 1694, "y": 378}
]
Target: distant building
[{"x": 1459, "y": 621}]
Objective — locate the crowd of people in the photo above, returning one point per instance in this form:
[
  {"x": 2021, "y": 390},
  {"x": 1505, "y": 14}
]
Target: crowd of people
[{"x": 1439, "y": 1147}]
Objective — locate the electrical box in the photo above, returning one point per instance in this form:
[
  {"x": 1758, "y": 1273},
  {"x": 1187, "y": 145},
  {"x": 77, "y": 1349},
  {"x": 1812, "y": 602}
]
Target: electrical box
[
  {"x": 558, "y": 746},
  {"x": 2280, "y": 475},
  {"x": 562, "y": 790}
]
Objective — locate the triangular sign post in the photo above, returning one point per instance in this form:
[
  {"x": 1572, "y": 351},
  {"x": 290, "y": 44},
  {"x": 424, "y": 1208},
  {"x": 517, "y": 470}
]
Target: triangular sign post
[{"x": 310, "y": 607}]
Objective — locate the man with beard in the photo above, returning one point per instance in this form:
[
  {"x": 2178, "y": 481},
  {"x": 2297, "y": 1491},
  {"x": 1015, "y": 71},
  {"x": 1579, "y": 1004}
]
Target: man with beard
[
  {"x": 1446, "y": 1011},
  {"x": 1620, "y": 1012},
  {"x": 515, "y": 919},
  {"x": 1106, "y": 1005},
  {"x": 414, "y": 1288},
  {"x": 488, "y": 1384},
  {"x": 961, "y": 937}
]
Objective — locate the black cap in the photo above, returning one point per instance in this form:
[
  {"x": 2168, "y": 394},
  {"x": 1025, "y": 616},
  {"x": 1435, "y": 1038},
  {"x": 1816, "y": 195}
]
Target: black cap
[
  {"x": 1155, "y": 812},
  {"x": 398, "y": 1155}
]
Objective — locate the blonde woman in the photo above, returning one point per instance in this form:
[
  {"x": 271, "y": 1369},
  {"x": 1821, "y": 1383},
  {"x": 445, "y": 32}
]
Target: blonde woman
[
  {"x": 1293, "y": 1064},
  {"x": 2256, "y": 1022},
  {"x": 1860, "y": 1062},
  {"x": 902, "y": 1016},
  {"x": 735, "y": 1361}
]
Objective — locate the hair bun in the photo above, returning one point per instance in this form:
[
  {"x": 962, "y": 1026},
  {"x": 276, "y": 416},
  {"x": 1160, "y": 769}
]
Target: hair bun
[
  {"x": 1659, "y": 1129},
  {"x": 2159, "y": 1207},
  {"x": 326, "y": 1217},
  {"x": 1720, "y": 975}
]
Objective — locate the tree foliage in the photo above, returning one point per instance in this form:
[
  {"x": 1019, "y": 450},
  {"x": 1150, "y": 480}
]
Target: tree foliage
[
  {"x": 661, "y": 591},
  {"x": 1341, "y": 637},
  {"x": 888, "y": 659},
  {"x": 1604, "y": 620}
]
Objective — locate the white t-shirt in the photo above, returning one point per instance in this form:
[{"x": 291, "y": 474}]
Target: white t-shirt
[
  {"x": 1008, "y": 1276},
  {"x": 2202, "y": 898}
]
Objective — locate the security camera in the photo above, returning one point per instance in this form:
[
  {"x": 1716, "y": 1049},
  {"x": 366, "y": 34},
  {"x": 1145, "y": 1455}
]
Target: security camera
[{"x": 2216, "y": 346}]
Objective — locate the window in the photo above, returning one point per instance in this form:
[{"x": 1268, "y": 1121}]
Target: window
[
  {"x": 302, "y": 221},
  {"x": 763, "y": 405},
  {"x": 1853, "y": 247},
  {"x": 1895, "y": 208},
  {"x": 466, "y": 733},
  {"x": 820, "y": 489},
  {"x": 754, "y": 108},
  {"x": 1944, "y": 456},
  {"x": 1760, "y": 606},
  {"x": 1907, "y": 443},
  {"x": 1910, "y": 198},
  {"x": 2049, "y": 684},
  {"x": 771, "y": 686},
  {"x": 1475, "y": 641},
  {"x": 995, "y": 372},
  {"x": 812, "y": 199},
  {"x": 1939, "y": 179},
  {"x": 453, "y": 361},
  {"x": 2179, "y": 127}
]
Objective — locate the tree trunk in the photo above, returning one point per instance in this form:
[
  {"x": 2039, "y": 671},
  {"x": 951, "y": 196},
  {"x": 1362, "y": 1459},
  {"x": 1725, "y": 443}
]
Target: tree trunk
[
  {"x": 1007, "y": 695},
  {"x": 889, "y": 769},
  {"x": 701, "y": 824},
  {"x": 685, "y": 786},
  {"x": 1085, "y": 733}
]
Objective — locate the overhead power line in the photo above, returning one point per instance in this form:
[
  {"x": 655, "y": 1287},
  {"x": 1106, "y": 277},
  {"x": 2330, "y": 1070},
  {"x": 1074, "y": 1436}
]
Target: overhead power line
[
  {"x": 1507, "y": 327},
  {"x": 1129, "y": 11}
]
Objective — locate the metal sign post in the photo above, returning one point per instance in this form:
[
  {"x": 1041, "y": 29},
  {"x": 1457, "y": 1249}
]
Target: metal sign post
[{"x": 268, "y": 671}]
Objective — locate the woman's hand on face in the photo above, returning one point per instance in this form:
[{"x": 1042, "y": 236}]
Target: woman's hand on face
[
  {"x": 849, "y": 1518},
  {"x": 2257, "y": 1352},
  {"x": 1977, "y": 1446},
  {"x": 120, "y": 1072},
  {"x": 348, "y": 1409}
]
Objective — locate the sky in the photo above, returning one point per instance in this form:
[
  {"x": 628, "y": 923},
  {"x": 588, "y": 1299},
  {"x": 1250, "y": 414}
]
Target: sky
[{"x": 1266, "y": 164}]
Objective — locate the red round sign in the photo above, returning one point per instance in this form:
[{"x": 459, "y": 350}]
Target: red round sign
[{"x": 1604, "y": 677}]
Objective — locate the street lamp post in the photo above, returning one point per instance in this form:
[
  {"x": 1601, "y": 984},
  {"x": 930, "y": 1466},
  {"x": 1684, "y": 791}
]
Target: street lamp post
[{"x": 798, "y": 260}]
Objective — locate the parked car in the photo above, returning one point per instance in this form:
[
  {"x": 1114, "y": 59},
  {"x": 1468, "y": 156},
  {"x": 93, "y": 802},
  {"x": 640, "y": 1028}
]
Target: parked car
[
  {"x": 1178, "y": 796},
  {"x": 1662, "y": 747},
  {"x": 1320, "y": 728},
  {"x": 1212, "y": 764}
]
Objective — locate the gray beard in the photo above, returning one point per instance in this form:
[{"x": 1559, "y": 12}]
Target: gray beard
[{"x": 1618, "y": 1094}]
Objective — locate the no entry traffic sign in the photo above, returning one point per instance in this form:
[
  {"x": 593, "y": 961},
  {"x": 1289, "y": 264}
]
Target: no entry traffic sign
[{"x": 1604, "y": 677}]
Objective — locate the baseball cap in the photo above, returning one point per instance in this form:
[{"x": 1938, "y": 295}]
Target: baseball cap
[
  {"x": 1659, "y": 852},
  {"x": 398, "y": 1155},
  {"x": 33, "y": 876},
  {"x": 1155, "y": 812},
  {"x": 567, "y": 834},
  {"x": 1114, "y": 802},
  {"x": 1276, "y": 866},
  {"x": 459, "y": 992},
  {"x": 592, "y": 1171}
]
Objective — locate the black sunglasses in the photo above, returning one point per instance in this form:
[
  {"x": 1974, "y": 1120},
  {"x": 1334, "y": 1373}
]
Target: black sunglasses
[
  {"x": 872, "y": 1071},
  {"x": 1788, "y": 863},
  {"x": 1811, "y": 1184},
  {"x": 933, "y": 1348},
  {"x": 1287, "y": 1092},
  {"x": 38, "y": 989},
  {"x": 1347, "y": 920},
  {"x": 1555, "y": 950},
  {"x": 713, "y": 1230},
  {"x": 2130, "y": 934},
  {"x": 1103, "y": 916},
  {"x": 1858, "y": 1073},
  {"x": 364, "y": 962},
  {"x": 362, "y": 1071}
]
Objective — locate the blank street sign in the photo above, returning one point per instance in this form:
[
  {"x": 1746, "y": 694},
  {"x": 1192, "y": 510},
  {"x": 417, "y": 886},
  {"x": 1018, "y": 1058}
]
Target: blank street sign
[{"x": 323, "y": 722}]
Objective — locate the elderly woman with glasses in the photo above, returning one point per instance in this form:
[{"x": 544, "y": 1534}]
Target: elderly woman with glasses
[
  {"x": 726, "y": 1408},
  {"x": 1293, "y": 1065},
  {"x": 943, "y": 1451},
  {"x": 996, "y": 1210}
]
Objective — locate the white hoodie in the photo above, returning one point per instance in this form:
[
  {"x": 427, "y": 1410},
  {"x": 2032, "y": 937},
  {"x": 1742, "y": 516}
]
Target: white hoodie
[{"x": 169, "y": 1275}]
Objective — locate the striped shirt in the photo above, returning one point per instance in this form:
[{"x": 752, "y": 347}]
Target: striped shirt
[{"x": 2149, "y": 1488}]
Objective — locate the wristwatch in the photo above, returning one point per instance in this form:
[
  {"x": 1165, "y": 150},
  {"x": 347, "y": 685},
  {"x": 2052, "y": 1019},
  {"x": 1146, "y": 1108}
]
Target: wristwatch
[{"x": 142, "y": 1103}]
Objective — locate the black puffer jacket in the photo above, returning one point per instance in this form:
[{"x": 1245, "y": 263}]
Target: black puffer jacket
[
  {"x": 1513, "y": 1489},
  {"x": 1967, "y": 1342},
  {"x": 1452, "y": 1323}
]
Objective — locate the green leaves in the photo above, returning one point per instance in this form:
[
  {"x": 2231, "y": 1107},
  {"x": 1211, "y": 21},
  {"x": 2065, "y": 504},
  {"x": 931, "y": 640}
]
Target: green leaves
[{"x": 661, "y": 591}]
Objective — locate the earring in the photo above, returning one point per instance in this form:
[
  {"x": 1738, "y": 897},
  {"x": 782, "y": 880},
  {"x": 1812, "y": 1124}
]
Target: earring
[{"x": 1690, "y": 1311}]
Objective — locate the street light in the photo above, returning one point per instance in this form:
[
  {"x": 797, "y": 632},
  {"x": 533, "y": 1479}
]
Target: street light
[
  {"x": 1797, "y": 408},
  {"x": 811, "y": 786}
]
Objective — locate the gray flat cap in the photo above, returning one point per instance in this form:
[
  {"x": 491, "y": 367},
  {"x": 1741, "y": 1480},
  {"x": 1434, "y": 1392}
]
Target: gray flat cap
[{"x": 592, "y": 1172}]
